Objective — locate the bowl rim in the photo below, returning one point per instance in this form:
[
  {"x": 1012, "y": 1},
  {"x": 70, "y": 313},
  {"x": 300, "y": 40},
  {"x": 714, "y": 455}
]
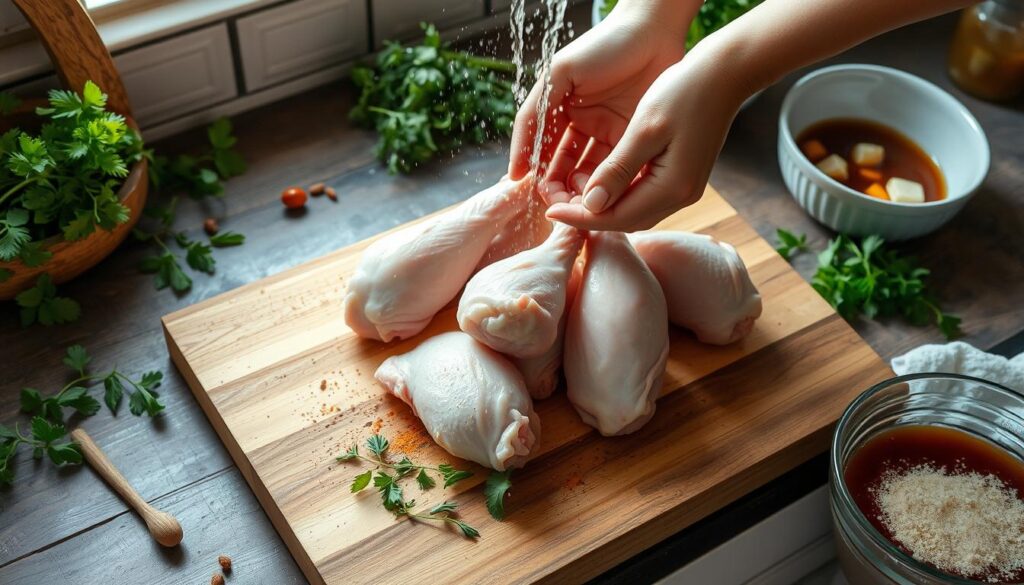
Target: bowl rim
[
  {"x": 835, "y": 187},
  {"x": 838, "y": 484}
]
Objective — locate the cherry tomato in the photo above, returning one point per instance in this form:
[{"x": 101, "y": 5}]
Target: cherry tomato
[{"x": 293, "y": 197}]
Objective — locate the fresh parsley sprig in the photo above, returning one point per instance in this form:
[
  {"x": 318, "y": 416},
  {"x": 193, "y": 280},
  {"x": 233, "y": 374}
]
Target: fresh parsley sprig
[
  {"x": 44, "y": 438},
  {"x": 427, "y": 99},
  {"x": 198, "y": 177},
  {"x": 40, "y": 304},
  {"x": 790, "y": 244},
  {"x": 47, "y": 424},
  {"x": 867, "y": 279},
  {"x": 390, "y": 490},
  {"x": 142, "y": 395}
]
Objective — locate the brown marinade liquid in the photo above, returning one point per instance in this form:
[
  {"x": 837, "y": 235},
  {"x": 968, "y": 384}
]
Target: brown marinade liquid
[
  {"x": 910, "y": 446},
  {"x": 903, "y": 157}
]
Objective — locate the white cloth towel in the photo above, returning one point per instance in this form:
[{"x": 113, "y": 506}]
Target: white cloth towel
[{"x": 961, "y": 358}]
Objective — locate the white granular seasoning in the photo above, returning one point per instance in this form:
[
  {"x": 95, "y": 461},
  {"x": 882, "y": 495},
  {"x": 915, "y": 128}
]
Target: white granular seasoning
[{"x": 963, "y": 522}]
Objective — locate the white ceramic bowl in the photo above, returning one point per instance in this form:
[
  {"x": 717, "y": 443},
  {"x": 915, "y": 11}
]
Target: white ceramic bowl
[{"x": 929, "y": 116}]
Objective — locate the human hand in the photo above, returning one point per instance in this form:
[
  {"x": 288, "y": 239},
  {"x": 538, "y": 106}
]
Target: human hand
[
  {"x": 664, "y": 157},
  {"x": 597, "y": 81}
]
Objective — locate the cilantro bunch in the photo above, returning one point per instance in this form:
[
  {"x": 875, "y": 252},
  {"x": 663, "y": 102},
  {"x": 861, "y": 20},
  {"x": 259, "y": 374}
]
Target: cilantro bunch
[
  {"x": 64, "y": 179},
  {"x": 427, "y": 99},
  {"x": 47, "y": 424},
  {"x": 868, "y": 279}
]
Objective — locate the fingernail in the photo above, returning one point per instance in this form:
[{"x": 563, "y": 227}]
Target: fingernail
[
  {"x": 579, "y": 182},
  {"x": 595, "y": 199},
  {"x": 553, "y": 211}
]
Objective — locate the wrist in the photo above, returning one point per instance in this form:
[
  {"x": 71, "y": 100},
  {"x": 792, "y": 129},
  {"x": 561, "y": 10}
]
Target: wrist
[{"x": 737, "y": 64}]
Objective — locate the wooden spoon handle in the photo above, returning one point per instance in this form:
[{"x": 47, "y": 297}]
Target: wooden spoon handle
[
  {"x": 164, "y": 528},
  {"x": 99, "y": 461}
]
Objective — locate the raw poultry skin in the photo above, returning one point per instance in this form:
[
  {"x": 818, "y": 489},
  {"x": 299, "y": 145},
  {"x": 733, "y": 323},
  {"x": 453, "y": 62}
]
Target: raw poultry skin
[
  {"x": 706, "y": 284},
  {"x": 527, "y": 229},
  {"x": 616, "y": 338},
  {"x": 471, "y": 400},
  {"x": 405, "y": 278},
  {"x": 541, "y": 373},
  {"x": 515, "y": 305}
]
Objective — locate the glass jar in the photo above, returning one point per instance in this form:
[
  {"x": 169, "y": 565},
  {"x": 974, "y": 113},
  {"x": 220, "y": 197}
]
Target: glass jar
[
  {"x": 982, "y": 409},
  {"x": 986, "y": 57}
]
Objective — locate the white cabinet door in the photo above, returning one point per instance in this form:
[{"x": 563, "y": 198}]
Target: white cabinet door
[
  {"x": 301, "y": 37},
  {"x": 399, "y": 20},
  {"x": 187, "y": 73}
]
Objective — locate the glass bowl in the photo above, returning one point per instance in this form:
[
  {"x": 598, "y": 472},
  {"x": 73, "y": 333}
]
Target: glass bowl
[{"x": 977, "y": 407}]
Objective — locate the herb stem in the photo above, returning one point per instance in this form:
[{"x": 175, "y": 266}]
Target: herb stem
[
  {"x": 484, "y": 62},
  {"x": 17, "y": 188}
]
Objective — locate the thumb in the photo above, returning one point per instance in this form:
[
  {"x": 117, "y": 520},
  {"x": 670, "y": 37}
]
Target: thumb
[{"x": 641, "y": 142}]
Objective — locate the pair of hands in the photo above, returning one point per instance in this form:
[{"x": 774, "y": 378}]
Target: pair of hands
[{"x": 633, "y": 127}]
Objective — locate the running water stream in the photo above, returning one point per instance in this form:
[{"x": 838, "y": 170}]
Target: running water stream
[{"x": 553, "y": 20}]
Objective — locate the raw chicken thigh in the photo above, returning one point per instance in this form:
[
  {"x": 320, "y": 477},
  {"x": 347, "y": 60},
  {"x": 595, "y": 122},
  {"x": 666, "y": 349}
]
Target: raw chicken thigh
[
  {"x": 515, "y": 305},
  {"x": 404, "y": 279},
  {"x": 616, "y": 339},
  {"x": 705, "y": 283},
  {"x": 541, "y": 373},
  {"x": 471, "y": 399},
  {"x": 527, "y": 229}
]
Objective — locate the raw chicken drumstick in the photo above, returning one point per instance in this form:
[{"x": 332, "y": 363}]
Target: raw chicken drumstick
[
  {"x": 541, "y": 373},
  {"x": 527, "y": 229},
  {"x": 404, "y": 279},
  {"x": 705, "y": 282},
  {"x": 515, "y": 305},
  {"x": 616, "y": 339},
  {"x": 471, "y": 399}
]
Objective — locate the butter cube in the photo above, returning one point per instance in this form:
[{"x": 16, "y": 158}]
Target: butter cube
[
  {"x": 866, "y": 154},
  {"x": 904, "y": 191},
  {"x": 835, "y": 167}
]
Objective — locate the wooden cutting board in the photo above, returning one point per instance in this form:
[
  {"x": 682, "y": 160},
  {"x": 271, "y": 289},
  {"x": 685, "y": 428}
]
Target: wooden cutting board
[{"x": 288, "y": 387}]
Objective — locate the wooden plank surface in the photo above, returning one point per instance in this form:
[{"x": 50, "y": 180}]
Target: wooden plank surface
[
  {"x": 70, "y": 518},
  {"x": 288, "y": 386}
]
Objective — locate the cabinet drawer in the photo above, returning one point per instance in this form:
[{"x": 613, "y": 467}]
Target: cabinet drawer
[
  {"x": 297, "y": 38},
  {"x": 399, "y": 20},
  {"x": 180, "y": 75}
]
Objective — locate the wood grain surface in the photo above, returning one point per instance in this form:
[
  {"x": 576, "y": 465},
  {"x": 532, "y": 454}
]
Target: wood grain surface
[
  {"x": 288, "y": 387},
  {"x": 67, "y": 526}
]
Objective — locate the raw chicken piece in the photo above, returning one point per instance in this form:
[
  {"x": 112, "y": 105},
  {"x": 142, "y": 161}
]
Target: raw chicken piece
[
  {"x": 705, "y": 283},
  {"x": 527, "y": 229},
  {"x": 616, "y": 339},
  {"x": 404, "y": 279},
  {"x": 514, "y": 305},
  {"x": 541, "y": 373},
  {"x": 471, "y": 399}
]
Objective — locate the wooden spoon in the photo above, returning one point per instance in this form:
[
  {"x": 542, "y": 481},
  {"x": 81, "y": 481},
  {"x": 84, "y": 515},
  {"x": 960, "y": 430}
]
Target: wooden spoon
[{"x": 164, "y": 527}]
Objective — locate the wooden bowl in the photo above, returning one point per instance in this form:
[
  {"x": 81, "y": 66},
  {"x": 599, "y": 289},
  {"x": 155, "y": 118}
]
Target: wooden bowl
[{"x": 73, "y": 258}]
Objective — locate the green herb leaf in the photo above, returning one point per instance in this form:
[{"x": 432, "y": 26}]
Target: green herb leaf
[
  {"x": 5, "y": 274},
  {"x": 498, "y": 483},
  {"x": 451, "y": 475},
  {"x": 352, "y": 453},
  {"x": 467, "y": 530},
  {"x": 424, "y": 480},
  {"x": 113, "y": 392},
  {"x": 200, "y": 257},
  {"x": 390, "y": 492},
  {"x": 41, "y": 304},
  {"x": 225, "y": 239},
  {"x": 377, "y": 444},
  {"x": 78, "y": 398},
  {"x": 361, "y": 481},
  {"x": 65, "y": 453},
  {"x": 790, "y": 243},
  {"x": 444, "y": 507},
  {"x": 46, "y": 432},
  {"x": 32, "y": 254},
  {"x": 77, "y": 358},
  {"x": 31, "y": 400},
  {"x": 404, "y": 467}
]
